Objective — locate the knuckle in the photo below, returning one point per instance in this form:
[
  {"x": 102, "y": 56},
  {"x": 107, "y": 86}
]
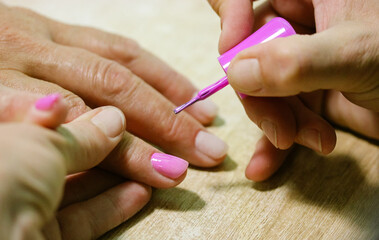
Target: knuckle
[
  {"x": 287, "y": 64},
  {"x": 173, "y": 132},
  {"x": 115, "y": 80},
  {"x": 18, "y": 37},
  {"x": 76, "y": 105}
]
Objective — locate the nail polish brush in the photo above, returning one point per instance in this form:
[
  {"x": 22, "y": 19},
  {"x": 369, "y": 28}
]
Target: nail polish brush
[{"x": 275, "y": 28}]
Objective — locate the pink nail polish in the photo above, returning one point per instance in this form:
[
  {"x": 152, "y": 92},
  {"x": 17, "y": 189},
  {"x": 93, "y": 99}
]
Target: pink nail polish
[
  {"x": 47, "y": 102},
  {"x": 168, "y": 165}
]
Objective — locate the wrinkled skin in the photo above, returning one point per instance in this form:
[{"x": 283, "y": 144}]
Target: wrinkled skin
[{"x": 92, "y": 68}]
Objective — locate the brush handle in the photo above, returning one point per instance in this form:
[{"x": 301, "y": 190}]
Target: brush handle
[{"x": 213, "y": 88}]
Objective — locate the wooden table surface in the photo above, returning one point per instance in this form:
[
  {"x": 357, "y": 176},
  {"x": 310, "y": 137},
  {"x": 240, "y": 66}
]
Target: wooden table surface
[{"x": 311, "y": 197}]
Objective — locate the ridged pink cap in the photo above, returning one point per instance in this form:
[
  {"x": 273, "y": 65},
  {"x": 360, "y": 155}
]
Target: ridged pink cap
[{"x": 275, "y": 28}]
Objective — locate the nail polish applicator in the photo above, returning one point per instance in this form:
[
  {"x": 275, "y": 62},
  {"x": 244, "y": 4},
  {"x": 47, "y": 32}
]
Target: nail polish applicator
[{"x": 275, "y": 28}]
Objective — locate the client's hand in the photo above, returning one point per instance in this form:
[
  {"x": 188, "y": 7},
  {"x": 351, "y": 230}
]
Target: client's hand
[
  {"x": 48, "y": 185},
  {"x": 91, "y": 68}
]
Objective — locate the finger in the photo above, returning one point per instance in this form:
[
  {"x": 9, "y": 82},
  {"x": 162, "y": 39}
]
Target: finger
[
  {"x": 309, "y": 63},
  {"x": 275, "y": 117},
  {"x": 174, "y": 86},
  {"x": 132, "y": 158},
  {"x": 103, "y": 82},
  {"x": 13, "y": 83},
  {"x": 85, "y": 185},
  {"x": 94, "y": 217},
  {"x": 266, "y": 160},
  {"x": 312, "y": 130},
  {"x": 137, "y": 160},
  {"x": 91, "y": 137},
  {"x": 237, "y": 20},
  {"x": 287, "y": 120},
  {"x": 341, "y": 111},
  {"x": 49, "y": 111}
]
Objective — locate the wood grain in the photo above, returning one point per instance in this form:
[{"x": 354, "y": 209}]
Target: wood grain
[{"x": 311, "y": 197}]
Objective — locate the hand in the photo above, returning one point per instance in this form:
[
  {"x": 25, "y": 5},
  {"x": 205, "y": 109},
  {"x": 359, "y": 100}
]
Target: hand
[
  {"x": 91, "y": 68},
  {"x": 35, "y": 162},
  {"x": 285, "y": 78}
]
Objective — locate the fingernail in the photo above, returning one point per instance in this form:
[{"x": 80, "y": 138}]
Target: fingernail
[
  {"x": 206, "y": 108},
  {"x": 312, "y": 139},
  {"x": 168, "y": 165},
  {"x": 270, "y": 131},
  {"x": 210, "y": 145},
  {"x": 245, "y": 75},
  {"x": 46, "y": 103},
  {"x": 111, "y": 121}
]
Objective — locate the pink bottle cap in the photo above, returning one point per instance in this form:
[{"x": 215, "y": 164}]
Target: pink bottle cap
[{"x": 275, "y": 28}]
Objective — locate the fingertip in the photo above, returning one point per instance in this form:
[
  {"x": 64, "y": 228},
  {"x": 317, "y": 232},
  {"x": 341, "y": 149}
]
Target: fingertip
[
  {"x": 111, "y": 121},
  {"x": 245, "y": 76},
  {"x": 211, "y": 149},
  {"x": 257, "y": 170},
  {"x": 49, "y": 111},
  {"x": 266, "y": 161},
  {"x": 47, "y": 103},
  {"x": 237, "y": 19},
  {"x": 318, "y": 135},
  {"x": 169, "y": 165},
  {"x": 275, "y": 117},
  {"x": 142, "y": 192},
  {"x": 204, "y": 111}
]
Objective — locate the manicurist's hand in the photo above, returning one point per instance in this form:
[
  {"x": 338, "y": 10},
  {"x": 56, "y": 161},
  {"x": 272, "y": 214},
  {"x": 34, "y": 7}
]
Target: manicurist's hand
[
  {"x": 295, "y": 84},
  {"x": 91, "y": 68},
  {"x": 49, "y": 187}
]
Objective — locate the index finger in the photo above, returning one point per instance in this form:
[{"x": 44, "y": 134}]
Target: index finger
[{"x": 237, "y": 19}]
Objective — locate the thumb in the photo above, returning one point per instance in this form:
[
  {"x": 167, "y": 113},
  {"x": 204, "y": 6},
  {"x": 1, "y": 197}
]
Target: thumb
[
  {"x": 343, "y": 58},
  {"x": 91, "y": 137}
]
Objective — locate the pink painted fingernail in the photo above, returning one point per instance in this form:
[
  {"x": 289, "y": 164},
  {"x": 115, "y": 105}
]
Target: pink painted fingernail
[
  {"x": 168, "y": 165},
  {"x": 46, "y": 103}
]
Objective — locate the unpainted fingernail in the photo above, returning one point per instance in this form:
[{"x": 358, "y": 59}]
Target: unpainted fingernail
[
  {"x": 206, "y": 108},
  {"x": 312, "y": 139},
  {"x": 47, "y": 103},
  {"x": 210, "y": 145},
  {"x": 269, "y": 129},
  {"x": 168, "y": 165},
  {"x": 245, "y": 75},
  {"x": 111, "y": 121}
]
